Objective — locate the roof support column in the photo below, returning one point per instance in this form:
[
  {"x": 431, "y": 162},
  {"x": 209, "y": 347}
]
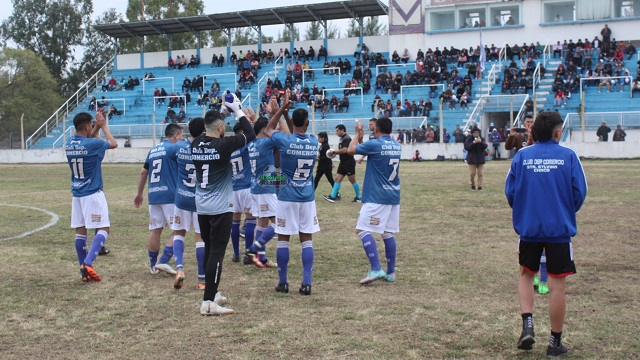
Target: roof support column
[
  {"x": 228, "y": 32},
  {"x": 142, "y": 52},
  {"x": 325, "y": 42},
  {"x": 259, "y": 29},
  {"x": 361, "y": 23},
  {"x": 198, "y": 44},
  {"x": 170, "y": 43},
  {"x": 291, "y": 38},
  {"x": 115, "y": 56}
]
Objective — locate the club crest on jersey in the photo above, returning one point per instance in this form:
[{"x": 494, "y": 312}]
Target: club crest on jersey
[
  {"x": 96, "y": 218},
  {"x": 247, "y": 210},
  {"x": 264, "y": 207},
  {"x": 282, "y": 222},
  {"x": 177, "y": 220},
  {"x": 374, "y": 220}
]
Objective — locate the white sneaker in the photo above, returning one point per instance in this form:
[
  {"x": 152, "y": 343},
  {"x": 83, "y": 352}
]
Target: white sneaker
[
  {"x": 219, "y": 299},
  {"x": 211, "y": 308},
  {"x": 166, "y": 268},
  {"x": 153, "y": 271}
]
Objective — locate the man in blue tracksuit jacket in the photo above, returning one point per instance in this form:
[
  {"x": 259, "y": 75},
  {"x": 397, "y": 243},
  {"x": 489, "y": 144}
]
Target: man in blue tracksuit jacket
[{"x": 545, "y": 186}]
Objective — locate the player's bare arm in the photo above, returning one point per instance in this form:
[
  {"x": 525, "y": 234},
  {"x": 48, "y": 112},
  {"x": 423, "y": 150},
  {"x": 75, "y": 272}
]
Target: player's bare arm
[
  {"x": 357, "y": 139},
  {"x": 271, "y": 126},
  {"x": 105, "y": 129},
  {"x": 141, "y": 184}
]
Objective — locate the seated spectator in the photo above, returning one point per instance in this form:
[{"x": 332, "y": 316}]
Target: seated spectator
[
  {"x": 322, "y": 52},
  {"x": 170, "y": 115},
  {"x": 192, "y": 63},
  {"x": 102, "y": 103},
  {"x": 560, "y": 99},
  {"x": 171, "y": 64},
  {"x": 605, "y": 81},
  {"x": 112, "y": 111},
  {"x": 395, "y": 58},
  {"x": 93, "y": 103},
  {"x": 405, "y": 56},
  {"x": 130, "y": 84},
  {"x": 344, "y": 105},
  {"x": 112, "y": 84}
]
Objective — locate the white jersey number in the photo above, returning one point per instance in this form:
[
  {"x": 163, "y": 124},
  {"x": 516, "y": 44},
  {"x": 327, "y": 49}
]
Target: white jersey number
[
  {"x": 191, "y": 170},
  {"x": 205, "y": 176},
  {"x": 394, "y": 173},
  {"x": 303, "y": 170},
  {"x": 155, "y": 173},
  {"x": 237, "y": 165},
  {"x": 77, "y": 166}
]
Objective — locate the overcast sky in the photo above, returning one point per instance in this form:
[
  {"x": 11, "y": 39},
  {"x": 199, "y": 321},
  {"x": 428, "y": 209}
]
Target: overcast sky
[{"x": 210, "y": 7}]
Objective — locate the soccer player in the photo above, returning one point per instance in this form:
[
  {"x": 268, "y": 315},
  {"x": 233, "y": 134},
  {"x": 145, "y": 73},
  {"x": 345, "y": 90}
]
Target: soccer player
[
  {"x": 347, "y": 167},
  {"x": 264, "y": 193},
  {"x": 160, "y": 170},
  {"x": 242, "y": 199},
  {"x": 89, "y": 208},
  {"x": 211, "y": 154},
  {"x": 184, "y": 213},
  {"x": 372, "y": 135},
  {"x": 296, "y": 209},
  {"x": 325, "y": 164},
  {"x": 381, "y": 210},
  {"x": 545, "y": 223}
]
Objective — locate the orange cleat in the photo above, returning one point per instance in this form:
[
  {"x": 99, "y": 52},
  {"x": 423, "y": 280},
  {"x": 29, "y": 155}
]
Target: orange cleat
[
  {"x": 177, "y": 283},
  {"x": 89, "y": 274}
]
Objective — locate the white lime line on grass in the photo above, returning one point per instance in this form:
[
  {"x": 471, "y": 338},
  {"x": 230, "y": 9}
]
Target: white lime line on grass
[{"x": 53, "y": 221}]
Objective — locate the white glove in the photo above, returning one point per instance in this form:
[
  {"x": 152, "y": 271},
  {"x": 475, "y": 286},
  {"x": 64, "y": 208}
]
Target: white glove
[{"x": 235, "y": 106}]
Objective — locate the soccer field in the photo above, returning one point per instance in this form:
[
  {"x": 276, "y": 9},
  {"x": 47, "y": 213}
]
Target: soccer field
[{"x": 455, "y": 295}]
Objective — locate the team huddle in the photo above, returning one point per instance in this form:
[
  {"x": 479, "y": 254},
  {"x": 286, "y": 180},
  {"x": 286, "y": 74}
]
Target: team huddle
[{"x": 264, "y": 171}]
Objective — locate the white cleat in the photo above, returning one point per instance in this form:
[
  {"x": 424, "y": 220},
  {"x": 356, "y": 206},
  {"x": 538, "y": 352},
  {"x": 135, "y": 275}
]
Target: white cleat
[
  {"x": 212, "y": 308},
  {"x": 153, "y": 271},
  {"x": 166, "y": 268},
  {"x": 219, "y": 299}
]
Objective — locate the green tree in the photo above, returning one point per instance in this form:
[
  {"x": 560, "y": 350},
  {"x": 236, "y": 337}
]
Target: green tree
[
  {"x": 50, "y": 28},
  {"x": 98, "y": 50},
  {"x": 371, "y": 27},
  {"x": 285, "y": 35},
  {"x": 163, "y": 9},
  {"x": 24, "y": 75},
  {"x": 315, "y": 31},
  {"x": 243, "y": 36}
]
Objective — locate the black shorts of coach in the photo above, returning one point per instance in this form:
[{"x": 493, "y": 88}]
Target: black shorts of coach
[
  {"x": 559, "y": 257},
  {"x": 347, "y": 168}
]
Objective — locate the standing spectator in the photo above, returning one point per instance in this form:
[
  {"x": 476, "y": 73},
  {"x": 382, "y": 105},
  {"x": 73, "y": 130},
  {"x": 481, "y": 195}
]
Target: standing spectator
[
  {"x": 606, "y": 34},
  {"x": 518, "y": 140},
  {"x": 458, "y": 135},
  {"x": 619, "y": 134},
  {"x": 89, "y": 208},
  {"x": 495, "y": 139},
  {"x": 553, "y": 226},
  {"x": 603, "y": 132},
  {"x": 214, "y": 193},
  {"x": 476, "y": 146}
]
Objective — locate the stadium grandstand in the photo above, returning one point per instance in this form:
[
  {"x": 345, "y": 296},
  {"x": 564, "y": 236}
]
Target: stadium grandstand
[{"x": 444, "y": 64}]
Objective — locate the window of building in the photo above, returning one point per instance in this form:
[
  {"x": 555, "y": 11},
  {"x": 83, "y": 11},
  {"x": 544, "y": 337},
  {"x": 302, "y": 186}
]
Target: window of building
[
  {"x": 442, "y": 20},
  {"x": 626, "y": 8},
  {"x": 558, "y": 11},
  {"x": 501, "y": 16},
  {"x": 472, "y": 18}
]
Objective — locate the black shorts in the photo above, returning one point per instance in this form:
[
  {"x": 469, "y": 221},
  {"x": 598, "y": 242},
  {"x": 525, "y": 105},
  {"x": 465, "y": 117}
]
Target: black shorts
[
  {"x": 347, "y": 168},
  {"x": 559, "y": 257}
]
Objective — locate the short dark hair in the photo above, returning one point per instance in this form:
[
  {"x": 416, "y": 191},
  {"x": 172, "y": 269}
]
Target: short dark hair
[
  {"x": 171, "y": 130},
  {"x": 528, "y": 116},
  {"x": 260, "y": 124},
  {"x": 212, "y": 116},
  {"x": 196, "y": 126},
  {"x": 82, "y": 119},
  {"x": 300, "y": 117},
  {"x": 372, "y": 119},
  {"x": 341, "y": 127},
  {"x": 384, "y": 125},
  {"x": 237, "y": 128},
  {"x": 545, "y": 125}
]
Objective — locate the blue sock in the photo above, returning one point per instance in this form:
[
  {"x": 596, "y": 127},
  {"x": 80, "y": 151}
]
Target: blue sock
[
  {"x": 153, "y": 258},
  {"x": 166, "y": 254},
  {"x": 336, "y": 189},
  {"x": 259, "y": 231},
  {"x": 249, "y": 232},
  {"x": 261, "y": 242},
  {"x": 200, "y": 258},
  {"x": 356, "y": 188},
  {"x": 178, "y": 250},
  {"x": 282, "y": 257},
  {"x": 390, "y": 252},
  {"x": 235, "y": 237},
  {"x": 371, "y": 249},
  {"x": 81, "y": 247},
  {"x": 307, "y": 262},
  {"x": 96, "y": 244},
  {"x": 544, "y": 275}
]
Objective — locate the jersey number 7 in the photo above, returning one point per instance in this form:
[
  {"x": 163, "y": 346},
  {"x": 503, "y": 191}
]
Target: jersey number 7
[{"x": 394, "y": 173}]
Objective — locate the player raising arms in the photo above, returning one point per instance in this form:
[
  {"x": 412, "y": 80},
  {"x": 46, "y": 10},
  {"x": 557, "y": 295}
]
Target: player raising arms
[
  {"x": 89, "y": 208},
  {"x": 264, "y": 193},
  {"x": 347, "y": 167},
  {"x": 296, "y": 210},
  {"x": 211, "y": 154},
  {"x": 160, "y": 170},
  {"x": 381, "y": 196},
  {"x": 184, "y": 214}
]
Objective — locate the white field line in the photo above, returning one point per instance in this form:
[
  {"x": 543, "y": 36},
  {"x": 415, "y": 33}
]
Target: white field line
[{"x": 53, "y": 221}]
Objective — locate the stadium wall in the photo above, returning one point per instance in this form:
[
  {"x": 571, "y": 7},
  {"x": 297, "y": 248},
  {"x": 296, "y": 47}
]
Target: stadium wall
[
  {"x": 336, "y": 47},
  {"x": 452, "y": 151}
]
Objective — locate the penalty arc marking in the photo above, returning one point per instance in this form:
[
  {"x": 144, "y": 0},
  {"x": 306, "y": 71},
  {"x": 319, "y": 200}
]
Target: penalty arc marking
[{"x": 54, "y": 220}]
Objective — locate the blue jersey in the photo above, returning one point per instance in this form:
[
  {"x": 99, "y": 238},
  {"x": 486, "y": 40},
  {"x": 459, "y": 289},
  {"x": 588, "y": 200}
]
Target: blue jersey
[
  {"x": 186, "y": 185},
  {"x": 297, "y": 158},
  {"x": 262, "y": 164},
  {"x": 545, "y": 186},
  {"x": 382, "y": 181},
  {"x": 163, "y": 173},
  {"x": 85, "y": 158},
  {"x": 241, "y": 167}
]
